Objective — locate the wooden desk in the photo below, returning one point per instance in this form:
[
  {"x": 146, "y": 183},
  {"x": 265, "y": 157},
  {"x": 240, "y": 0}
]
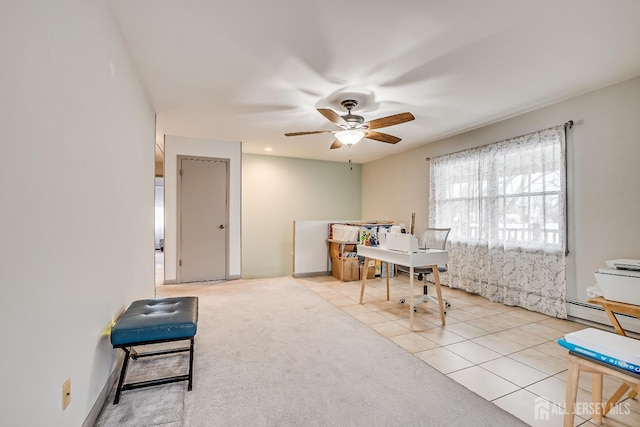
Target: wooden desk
[
  {"x": 611, "y": 308},
  {"x": 424, "y": 258}
]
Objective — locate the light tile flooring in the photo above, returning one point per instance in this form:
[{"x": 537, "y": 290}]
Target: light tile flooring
[{"x": 507, "y": 355}]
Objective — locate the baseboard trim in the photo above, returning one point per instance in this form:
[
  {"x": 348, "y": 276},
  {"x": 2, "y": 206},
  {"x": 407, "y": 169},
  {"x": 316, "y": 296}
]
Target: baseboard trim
[
  {"x": 93, "y": 415},
  {"x": 175, "y": 282},
  {"x": 313, "y": 274}
]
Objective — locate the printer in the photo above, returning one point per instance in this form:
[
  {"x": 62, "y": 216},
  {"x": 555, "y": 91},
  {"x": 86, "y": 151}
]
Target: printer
[
  {"x": 401, "y": 242},
  {"x": 625, "y": 264},
  {"x": 620, "y": 281}
]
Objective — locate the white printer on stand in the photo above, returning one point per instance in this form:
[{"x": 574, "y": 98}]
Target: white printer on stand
[{"x": 620, "y": 281}]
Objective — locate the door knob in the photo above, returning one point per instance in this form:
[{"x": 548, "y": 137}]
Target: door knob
[{"x": 221, "y": 226}]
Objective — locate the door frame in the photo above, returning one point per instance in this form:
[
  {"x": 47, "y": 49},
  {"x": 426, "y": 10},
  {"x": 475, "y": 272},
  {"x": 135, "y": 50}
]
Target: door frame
[{"x": 179, "y": 159}]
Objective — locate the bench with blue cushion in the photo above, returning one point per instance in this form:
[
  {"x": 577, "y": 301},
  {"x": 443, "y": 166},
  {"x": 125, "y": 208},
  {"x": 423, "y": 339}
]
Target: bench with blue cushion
[{"x": 153, "y": 321}]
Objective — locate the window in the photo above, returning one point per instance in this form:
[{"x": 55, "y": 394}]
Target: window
[
  {"x": 510, "y": 192},
  {"x": 505, "y": 204}
]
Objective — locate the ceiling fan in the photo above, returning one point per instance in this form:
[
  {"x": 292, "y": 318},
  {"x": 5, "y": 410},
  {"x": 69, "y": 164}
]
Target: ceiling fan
[{"x": 353, "y": 127}]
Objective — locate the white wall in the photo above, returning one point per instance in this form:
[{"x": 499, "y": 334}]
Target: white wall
[
  {"x": 180, "y": 146},
  {"x": 397, "y": 186},
  {"x": 278, "y": 190},
  {"x": 76, "y": 194},
  {"x": 603, "y": 148}
]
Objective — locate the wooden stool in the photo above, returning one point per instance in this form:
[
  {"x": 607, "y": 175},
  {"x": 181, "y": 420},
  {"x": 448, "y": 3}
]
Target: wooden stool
[
  {"x": 579, "y": 364},
  {"x": 611, "y": 308}
]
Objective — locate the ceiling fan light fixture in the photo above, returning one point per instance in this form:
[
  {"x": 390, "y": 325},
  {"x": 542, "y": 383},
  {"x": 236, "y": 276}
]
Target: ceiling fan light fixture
[
  {"x": 353, "y": 127},
  {"x": 350, "y": 137}
]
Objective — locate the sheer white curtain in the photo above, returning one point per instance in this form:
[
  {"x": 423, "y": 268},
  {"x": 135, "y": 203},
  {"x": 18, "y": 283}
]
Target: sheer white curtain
[{"x": 505, "y": 204}]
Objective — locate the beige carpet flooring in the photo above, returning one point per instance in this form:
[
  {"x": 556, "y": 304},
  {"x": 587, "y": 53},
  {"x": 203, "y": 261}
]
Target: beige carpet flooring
[{"x": 270, "y": 352}]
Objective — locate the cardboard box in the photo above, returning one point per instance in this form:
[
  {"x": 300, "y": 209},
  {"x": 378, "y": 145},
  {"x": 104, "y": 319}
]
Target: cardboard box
[
  {"x": 345, "y": 269},
  {"x": 334, "y": 249},
  {"x": 371, "y": 271}
]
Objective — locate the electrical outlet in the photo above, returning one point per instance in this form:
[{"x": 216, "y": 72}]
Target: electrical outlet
[{"x": 66, "y": 393}]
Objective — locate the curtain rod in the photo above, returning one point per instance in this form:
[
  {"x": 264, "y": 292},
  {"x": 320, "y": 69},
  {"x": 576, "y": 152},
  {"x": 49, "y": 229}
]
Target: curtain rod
[{"x": 567, "y": 125}]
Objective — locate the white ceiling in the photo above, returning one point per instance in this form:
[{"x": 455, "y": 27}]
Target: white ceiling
[{"x": 251, "y": 70}]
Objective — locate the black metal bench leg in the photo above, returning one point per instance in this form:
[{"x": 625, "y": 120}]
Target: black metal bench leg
[
  {"x": 191, "y": 365},
  {"x": 123, "y": 372}
]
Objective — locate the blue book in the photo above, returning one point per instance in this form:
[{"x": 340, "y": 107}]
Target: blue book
[{"x": 599, "y": 357}]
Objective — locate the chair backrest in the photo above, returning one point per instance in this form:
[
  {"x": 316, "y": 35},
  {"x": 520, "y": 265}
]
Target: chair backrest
[{"x": 434, "y": 238}]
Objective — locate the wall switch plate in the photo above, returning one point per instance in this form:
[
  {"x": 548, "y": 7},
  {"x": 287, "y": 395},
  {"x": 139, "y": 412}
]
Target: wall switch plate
[{"x": 66, "y": 393}]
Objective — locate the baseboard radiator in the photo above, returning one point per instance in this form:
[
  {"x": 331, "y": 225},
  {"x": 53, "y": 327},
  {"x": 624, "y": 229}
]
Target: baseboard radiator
[{"x": 588, "y": 313}]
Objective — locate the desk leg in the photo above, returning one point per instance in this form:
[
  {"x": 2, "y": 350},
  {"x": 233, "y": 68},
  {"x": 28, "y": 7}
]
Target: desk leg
[
  {"x": 364, "y": 278},
  {"x": 387, "y": 281},
  {"x": 411, "y": 299},
  {"x": 436, "y": 279}
]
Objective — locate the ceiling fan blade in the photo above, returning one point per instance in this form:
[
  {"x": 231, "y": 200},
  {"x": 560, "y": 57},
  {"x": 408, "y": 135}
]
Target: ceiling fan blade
[
  {"x": 382, "y": 137},
  {"x": 395, "y": 119},
  {"x": 336, "y": 144},
  {"x": 332, "y": 116},
  {"x": 311, "y": 132}
]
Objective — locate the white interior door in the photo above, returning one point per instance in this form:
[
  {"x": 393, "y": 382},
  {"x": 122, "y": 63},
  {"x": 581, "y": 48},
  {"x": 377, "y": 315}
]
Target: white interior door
[{"x": 203, "y": 210}]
